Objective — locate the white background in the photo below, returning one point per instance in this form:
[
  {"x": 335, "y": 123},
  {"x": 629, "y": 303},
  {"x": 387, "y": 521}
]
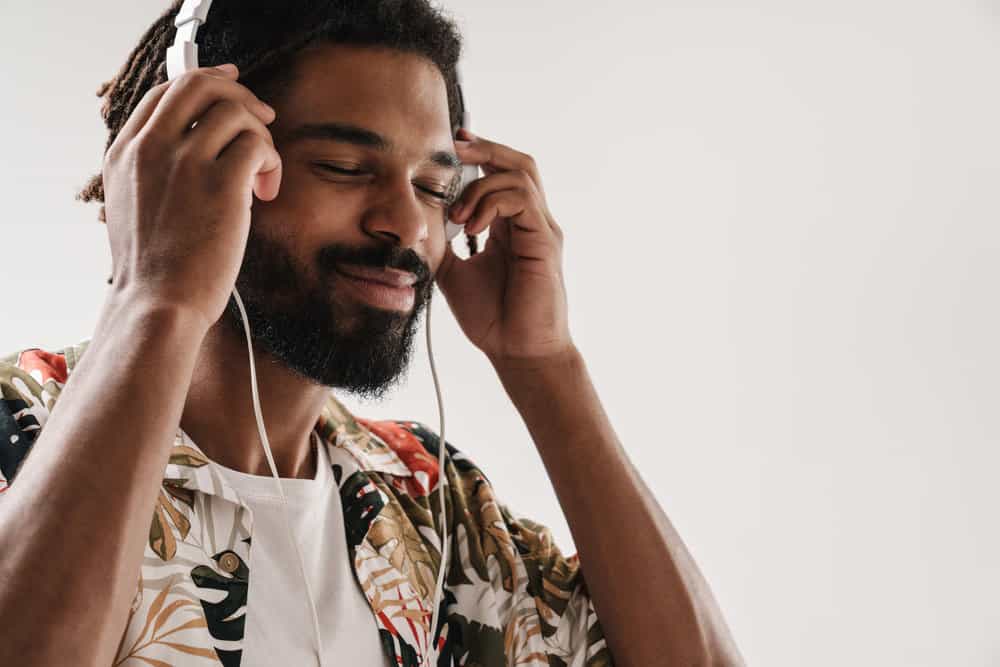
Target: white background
[{"x": 781, "y": 257}]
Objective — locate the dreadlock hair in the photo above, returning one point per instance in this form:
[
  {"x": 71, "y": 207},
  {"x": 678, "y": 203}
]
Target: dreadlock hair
[{"x": 262, "y": 38}]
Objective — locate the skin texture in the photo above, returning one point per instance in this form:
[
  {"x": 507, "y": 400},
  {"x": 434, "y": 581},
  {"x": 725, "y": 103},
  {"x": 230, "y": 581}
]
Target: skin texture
[
  {"x": 165, "y": 352},
  {"x": 400, "y": 97}
]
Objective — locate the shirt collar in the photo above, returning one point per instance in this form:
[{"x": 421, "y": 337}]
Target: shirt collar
[{"x": 340, "y": 433}]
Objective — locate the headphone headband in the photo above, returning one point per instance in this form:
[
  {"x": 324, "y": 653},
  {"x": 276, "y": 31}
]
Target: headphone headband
[{"x": 182, "y": 56}]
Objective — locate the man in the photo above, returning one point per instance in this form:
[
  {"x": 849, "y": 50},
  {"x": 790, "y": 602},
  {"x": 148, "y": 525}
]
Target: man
[{"x": 325, "y": 208}]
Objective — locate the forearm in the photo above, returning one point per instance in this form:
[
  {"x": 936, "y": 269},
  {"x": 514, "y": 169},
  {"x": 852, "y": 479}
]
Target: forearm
[
  {"x": 78, "y": 513},
  {"x": 654, "y": 605}
]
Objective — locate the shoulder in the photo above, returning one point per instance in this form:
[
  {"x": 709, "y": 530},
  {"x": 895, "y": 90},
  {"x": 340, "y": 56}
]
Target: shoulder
[
  {"x": 30, "y": 383},
  {"x": 417, "y": 446},
  {"x": 515, "y": 579}
]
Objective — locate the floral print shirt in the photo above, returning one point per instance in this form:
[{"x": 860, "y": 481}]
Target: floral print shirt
[{"x": 510, "y": 596}]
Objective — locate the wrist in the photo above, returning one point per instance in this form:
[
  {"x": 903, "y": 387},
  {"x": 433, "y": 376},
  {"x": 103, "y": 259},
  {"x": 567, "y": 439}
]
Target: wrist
[
  {"x": 530, "y": 379},
  {"x": 557, "y": 362},
  {"x": 130, "y": 307}
]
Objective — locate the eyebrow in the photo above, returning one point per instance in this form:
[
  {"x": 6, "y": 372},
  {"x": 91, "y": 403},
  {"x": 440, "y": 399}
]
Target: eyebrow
[{"x": 360, "y": 136}]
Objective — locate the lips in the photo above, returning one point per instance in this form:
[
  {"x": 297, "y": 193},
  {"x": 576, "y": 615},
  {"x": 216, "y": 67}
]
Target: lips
[{"x": 388, "y": 277}]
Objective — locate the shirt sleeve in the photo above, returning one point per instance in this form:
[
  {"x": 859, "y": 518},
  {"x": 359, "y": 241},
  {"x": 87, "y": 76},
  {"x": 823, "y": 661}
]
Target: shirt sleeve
[
  {"x": 513, "y": 597},
  {"x": 30, "y": 381},
  {"x": 569, "y": 623},
  {"x": 18, "y": 422}
]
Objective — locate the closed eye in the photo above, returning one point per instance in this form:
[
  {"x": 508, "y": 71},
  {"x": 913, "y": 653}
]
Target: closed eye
[
  {"x": 438, "y": 194},
  {"x": 433, "y": 192},
  {"x": 340, "y": 170}
]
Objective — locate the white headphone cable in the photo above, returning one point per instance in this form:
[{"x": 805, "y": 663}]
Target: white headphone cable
[
  {"x": 182, "y": 56},
  {"x": 277, "y": 480},
  {"x": 432, "y": 652},
  {"x": 430, "y": 657}
]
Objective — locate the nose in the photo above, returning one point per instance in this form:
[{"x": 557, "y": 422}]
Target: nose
[{"x": 397, "y": 215}]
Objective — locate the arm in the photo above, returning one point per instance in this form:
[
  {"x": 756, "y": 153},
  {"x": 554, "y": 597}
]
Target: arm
[
  {"x": 77, "y": 515},
  {"x": 653, "y": 604},
  {"x": 510, "y": 300},
  {"x": 178, "y": 216}
]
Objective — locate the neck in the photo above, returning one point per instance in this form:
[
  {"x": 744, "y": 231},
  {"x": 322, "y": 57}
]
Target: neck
[{"x": 219, "y": 413}]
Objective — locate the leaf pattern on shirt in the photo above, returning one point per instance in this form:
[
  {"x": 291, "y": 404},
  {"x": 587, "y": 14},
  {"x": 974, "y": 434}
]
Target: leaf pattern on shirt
[
  {"x": 510, "y": 596},
  {"x": 396, "y": 538},
  {"x": 162, "y": 621},
  {"x": 162, "y": 540}
]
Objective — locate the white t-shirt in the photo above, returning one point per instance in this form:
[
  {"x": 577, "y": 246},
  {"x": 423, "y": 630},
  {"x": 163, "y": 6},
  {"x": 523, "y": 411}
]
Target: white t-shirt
[{"x": 279, "y": 629}]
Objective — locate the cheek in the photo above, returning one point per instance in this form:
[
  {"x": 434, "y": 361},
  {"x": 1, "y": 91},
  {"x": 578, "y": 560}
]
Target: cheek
[{"x": 312, "y": 205}]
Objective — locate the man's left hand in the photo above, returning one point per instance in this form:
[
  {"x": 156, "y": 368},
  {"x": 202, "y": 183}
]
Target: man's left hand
[{"x": 510, "y": 298}]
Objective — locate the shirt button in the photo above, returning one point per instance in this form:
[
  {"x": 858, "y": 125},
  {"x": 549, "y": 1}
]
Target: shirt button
[{"x": 229, "y": 562}]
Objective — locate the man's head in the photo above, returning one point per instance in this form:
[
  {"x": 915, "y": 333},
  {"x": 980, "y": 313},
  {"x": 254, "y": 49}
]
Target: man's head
[{"x": 366, "y": 107}]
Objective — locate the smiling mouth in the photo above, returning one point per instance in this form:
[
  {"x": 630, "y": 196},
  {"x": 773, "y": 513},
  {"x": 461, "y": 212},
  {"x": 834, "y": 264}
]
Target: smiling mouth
[
  {"x": 400, "y": 296},
  {"x": 386, "y": 276}
]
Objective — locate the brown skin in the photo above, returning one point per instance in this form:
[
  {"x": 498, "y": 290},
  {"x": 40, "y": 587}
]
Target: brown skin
[
  {"x": 176, "y": 260},
  {"x": 403, "y": 99},
  {"x": 508, "y": 299}
]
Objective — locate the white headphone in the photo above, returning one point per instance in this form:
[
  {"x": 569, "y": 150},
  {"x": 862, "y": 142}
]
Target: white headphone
[{"x": 182, "y": 57}]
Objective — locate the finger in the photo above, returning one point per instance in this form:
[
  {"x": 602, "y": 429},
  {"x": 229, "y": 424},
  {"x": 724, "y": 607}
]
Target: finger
[
  {"x": 504, "y": 180},
  {"x": 520, "y": 231},
  {"x": 250, "y": 157},
  {"x": 515, "y": 204},
  {"x": 194, "y": 93},
  {"x": 491, "y": 155},
  {"x": 220, "y": 125},
  {"x": 140, "y": 115}
]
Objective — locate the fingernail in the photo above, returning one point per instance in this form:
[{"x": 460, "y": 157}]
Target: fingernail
[{"x": 229, "y": 68}]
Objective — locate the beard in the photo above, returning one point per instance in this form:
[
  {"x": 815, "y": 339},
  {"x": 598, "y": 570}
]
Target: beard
[{"x": 310, "y": 325}]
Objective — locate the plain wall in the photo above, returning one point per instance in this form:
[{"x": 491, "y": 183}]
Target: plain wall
[{"x": 781, "y": 258}]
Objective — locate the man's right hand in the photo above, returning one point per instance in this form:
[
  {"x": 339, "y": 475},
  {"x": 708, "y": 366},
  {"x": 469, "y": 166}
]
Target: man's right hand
[{"x": 178, "y": 198}]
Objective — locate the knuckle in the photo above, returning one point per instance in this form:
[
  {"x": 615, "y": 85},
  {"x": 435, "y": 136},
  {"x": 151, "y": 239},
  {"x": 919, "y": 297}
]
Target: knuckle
[
  {"x": 522, "y": 193},
  {"x": 241, "y": 144},
  {"x": 201, "y": 76},
  {"x": 264, "y": 133},
  {"x": 145, "y": 147},
  {"x": 196, "y": 82},
  {"x": 113, "y": 154},
  {"x": 250, "y": 147},
  {"x": 156, "y": 90},
  {"x": 185, "y": 152},
  {"x": 251, "y": 97},
  {"x": 229, "y": 107},
  {"x": 257, "y": 139},
  {"x": 230, "y": 104}
]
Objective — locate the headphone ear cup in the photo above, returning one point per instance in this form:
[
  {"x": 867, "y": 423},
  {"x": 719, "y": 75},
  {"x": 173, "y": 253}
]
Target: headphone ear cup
[
  {"x": 451, "y": 230},
  {"x": 470, "y": 172}
]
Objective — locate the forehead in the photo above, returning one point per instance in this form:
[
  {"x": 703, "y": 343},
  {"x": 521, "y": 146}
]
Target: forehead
[{"x": 400, "y": 96}]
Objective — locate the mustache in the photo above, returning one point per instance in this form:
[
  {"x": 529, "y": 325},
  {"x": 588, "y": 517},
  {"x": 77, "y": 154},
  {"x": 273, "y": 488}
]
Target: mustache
[{"x": 377, "y": 257}]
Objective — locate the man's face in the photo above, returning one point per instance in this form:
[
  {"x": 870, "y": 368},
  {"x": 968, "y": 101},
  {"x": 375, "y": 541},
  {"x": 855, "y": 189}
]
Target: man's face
[{"x": 382, "y": 117}]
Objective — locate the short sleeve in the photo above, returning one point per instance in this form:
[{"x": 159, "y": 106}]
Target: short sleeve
[
  {"x": 512, "y": 596},
  {"x": 30, "y": 381},
  {"x": 569, "y": 623}
]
